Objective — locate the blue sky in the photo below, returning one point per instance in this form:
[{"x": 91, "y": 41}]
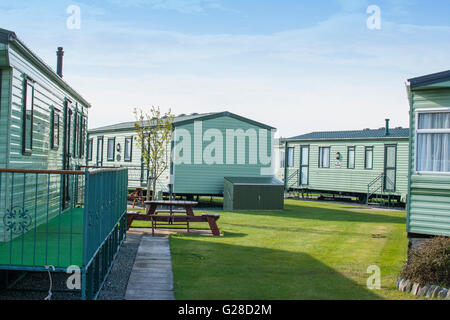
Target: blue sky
[{"x": 300, "y": 66}]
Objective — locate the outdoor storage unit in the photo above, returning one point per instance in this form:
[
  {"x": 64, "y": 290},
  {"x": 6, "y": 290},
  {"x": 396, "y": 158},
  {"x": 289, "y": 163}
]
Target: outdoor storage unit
[
  {"x": 367, "y": 163},
  {"x": 52, "y": 213},
  {"x": 242, "y": 147},
  {"x": 253, "y": 193},
  {"x": 429, "y": 166}
]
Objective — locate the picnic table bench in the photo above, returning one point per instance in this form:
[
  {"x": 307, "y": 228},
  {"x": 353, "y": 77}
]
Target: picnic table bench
[
  {"x": 152, "y": 215},
  {"x": 170, "y": 219},
  {"x": 137, "y": 195},
  {"x": 186, "y": 205}
]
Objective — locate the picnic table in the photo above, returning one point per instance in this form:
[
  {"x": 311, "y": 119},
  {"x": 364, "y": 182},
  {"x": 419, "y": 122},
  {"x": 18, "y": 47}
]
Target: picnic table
[
  {"x": 186, "y": 205},
  {"x": 185, "y": 217},
  {"x": 137, "y": 195}
]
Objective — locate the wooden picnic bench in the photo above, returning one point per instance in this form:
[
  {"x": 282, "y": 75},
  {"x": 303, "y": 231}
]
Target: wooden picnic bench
[
  {"x": 186, "y": 205},
  {"x": 170, "y": 219},
  {"x": 137, "y": 195}
]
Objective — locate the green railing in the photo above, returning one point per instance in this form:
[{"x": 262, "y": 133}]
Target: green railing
[
  {"x": 293, "y": 180},
  {"x": 106, "y": 203},
  {"x": 105, "y": 227},
  {"x": 61, "y": 219},
  {"x": 376, "y": 190}
]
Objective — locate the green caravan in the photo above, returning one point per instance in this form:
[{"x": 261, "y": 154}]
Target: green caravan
[
  {"x": 53, "y": 213},
  {"x": 428, "y": 212},
  {"x": 369, "y": 164}
]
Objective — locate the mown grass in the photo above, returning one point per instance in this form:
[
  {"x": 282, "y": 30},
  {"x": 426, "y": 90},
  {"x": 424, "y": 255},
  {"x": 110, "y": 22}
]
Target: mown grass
[{"x": 310, "y": 250}]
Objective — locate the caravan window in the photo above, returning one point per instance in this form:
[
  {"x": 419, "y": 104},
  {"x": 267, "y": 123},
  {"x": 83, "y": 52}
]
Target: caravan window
[
  {"x": 76, "y": 125},
  {"x": 110, "y": 150},
  {"x": 290, "y": 159},
  {"x": 55, "y": 128},
  {"x": 433, "y": 142},
  {"x": 128, "y": 148},
  {"x": 324, "y": 157},
  {"x": 89, "y": 149},
  {"x": 282, "y": 159},
  {"x": 100, "y": 151},
  {"x": 82, "y": 135},
  {"x": 351, "y": 157},
  {"x": 27, "y": 138},
  {"x": 368, "y": 161}
]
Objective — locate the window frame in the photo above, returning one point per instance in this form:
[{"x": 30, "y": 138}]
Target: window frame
[
  {"x": 90, "y": 149},
  {"x": 55, "y": 113},
  {"x": 69, "y": 121},
  {"x": 417, "y": 131},
  {"x": 301, "y": 165},
  {"x": 289, "y": 164},
  {"x": 27, "y": 82},
  {"x": 365, "y": 157},
  {"x": 100, "y": 158},
  {"x": 282, "y": 159},
  {"x": 76, "y": 134},
  {"x": 114, "y": 149},
  {"x": 354, "y": 157},
  {"x": 329, "y": 157},
  {"x": 130, "y": 159},
  {"x": 83, "y": 121}
]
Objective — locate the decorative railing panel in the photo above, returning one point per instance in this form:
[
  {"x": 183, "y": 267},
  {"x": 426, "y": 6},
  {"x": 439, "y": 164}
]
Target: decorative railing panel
[
  {"x": 105, "y": 206},
  {"x": 40, "y": 220}
]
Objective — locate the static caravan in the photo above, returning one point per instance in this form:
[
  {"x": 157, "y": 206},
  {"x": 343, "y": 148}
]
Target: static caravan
[
  {"x": 368, "y": 164},
  {"x": 116, "y": 146},
  {"x": 47, "y": 217},
  {"x": 206, "y": 148},
  {"x": 429, "y": 165},
  {"x": 279, "y": 158},
  {"x": 219, "y": 145}
]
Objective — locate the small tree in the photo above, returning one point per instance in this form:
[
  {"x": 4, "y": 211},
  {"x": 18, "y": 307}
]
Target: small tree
[{"x": 154, "y": 133}]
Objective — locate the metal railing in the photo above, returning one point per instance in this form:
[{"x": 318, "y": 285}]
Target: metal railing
[
  {"x": 62, "y": 218},
  {"x": 293, "y": 180},
  {"x": 104, "y": 227},
  {"x": 376, "y": 190}
]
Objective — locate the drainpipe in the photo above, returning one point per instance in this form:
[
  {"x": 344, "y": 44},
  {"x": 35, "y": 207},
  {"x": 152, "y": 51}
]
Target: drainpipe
[{"x": 387, "y": 127}]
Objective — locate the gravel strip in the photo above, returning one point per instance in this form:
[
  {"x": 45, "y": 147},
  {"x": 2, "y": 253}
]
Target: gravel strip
[
  {"x": 115, "y": 285},
  {"x": 35, "y": 285}
]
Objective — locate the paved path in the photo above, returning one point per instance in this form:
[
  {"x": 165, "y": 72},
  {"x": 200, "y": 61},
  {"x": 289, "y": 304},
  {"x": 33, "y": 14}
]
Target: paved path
[{"x": 151, "y": 277}]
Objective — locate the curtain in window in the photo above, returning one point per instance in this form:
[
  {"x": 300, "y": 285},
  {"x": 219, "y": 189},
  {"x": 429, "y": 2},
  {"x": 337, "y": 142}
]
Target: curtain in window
[
  {"x": 433, "y": 152},
  {"x": 324, "y": 157},
  {"x": 127, "y": 149},
  {"x": 282, "y": 159},
  {"x": 351, "y": 158},
  {"x": 110, "y": 149},
  {"x": 439, "y": 120},
  {"x": 290, "y": 157},
  {"x": 433, "y": 149},
  {"x": 369, "y": 158}
]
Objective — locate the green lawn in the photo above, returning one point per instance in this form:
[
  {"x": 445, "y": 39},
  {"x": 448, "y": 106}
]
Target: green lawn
[{"x": 311, "y": 250}]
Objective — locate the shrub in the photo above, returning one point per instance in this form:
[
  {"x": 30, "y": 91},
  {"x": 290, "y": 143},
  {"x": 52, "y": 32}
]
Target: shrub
[{"x": 429, "y": 263}]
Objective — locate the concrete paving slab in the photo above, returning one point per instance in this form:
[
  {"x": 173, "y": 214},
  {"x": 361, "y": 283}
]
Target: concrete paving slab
[{"x": 151, "y": 277}]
